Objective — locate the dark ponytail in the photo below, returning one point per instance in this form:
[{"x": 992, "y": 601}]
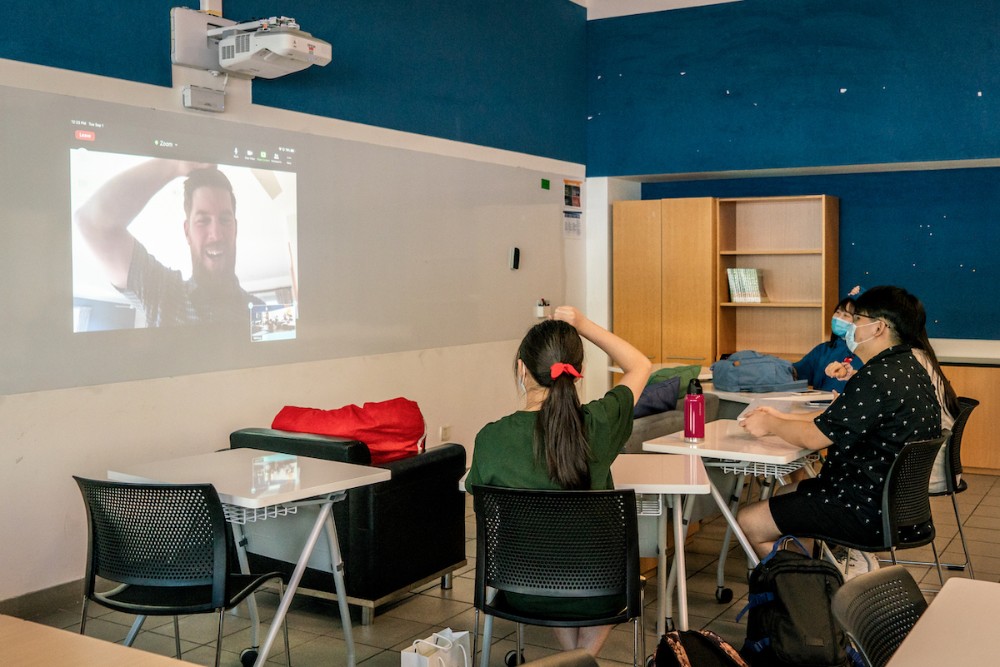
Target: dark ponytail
[{"x": 560, "y": 439}]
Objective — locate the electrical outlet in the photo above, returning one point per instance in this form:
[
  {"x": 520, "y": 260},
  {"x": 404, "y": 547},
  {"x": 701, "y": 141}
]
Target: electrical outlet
[{"x": 444, "y": 433}]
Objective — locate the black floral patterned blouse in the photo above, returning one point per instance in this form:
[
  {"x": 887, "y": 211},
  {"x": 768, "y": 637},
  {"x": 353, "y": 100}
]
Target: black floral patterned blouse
[{"x": 886, "y": 404}]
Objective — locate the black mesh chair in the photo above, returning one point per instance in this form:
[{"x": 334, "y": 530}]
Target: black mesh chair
[
  {"x": 906, "y": 506},
  {"x": 954, "y": 484},
  {"x": 165, "y": 545},
  {"x": 567, "y": 544},
  {"x": 877, "y": 611}
]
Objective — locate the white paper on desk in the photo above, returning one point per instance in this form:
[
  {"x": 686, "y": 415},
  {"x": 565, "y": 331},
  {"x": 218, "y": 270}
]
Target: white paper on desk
[{"x": 790, "y": 403}]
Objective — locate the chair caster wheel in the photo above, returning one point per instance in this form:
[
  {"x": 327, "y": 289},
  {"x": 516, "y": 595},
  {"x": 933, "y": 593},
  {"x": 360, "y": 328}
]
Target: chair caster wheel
[
  {"x": 248, "y": 656},
  {"x": 723, "y": 595},
  {"x": 510, "y": 659}
]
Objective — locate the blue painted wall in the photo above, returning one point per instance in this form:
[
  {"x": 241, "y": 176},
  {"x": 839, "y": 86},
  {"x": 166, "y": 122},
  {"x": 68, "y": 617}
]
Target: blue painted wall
[
  {"x": 486, "y": 72},
  {"x": 793, "y": 83},
  {"x": 770, "y": 84},
  {"x": 933, "y": 232}
]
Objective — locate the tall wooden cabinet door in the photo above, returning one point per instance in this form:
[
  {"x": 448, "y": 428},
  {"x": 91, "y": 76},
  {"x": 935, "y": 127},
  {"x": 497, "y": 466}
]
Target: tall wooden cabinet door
[
  {"x": 689, "y": 280},
  {"x": 635, "y": 267},
  {"x": 979, "y": 450}
]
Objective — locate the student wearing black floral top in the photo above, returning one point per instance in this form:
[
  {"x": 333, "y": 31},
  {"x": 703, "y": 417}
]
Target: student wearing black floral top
[{"x": 889, "y": 402}]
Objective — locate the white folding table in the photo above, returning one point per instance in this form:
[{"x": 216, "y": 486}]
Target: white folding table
[
  {"x": 670, "y": 477},
  {"x": 729, "y": 447},
  {"x": 236, "y": 476},
  {"x": 956, "y": 629}
]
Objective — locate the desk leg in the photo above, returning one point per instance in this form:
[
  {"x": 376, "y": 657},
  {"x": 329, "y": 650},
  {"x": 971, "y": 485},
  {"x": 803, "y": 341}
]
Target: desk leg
[
  {"x": 720, "y": 574},
  {"x": 241, "y": 554},
  {"x": 679, "y": 538},
  {"x": 662, "y": 607},
  {"x": 674, "y": 577},
  {"x": 337, "y": 566},
  {"x": 720, "y": 502},
  {"x": 325, "y": 508}
]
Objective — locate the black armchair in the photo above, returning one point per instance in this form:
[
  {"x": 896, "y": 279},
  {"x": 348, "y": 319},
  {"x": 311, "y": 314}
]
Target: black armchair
[{"x": 394, "y": 535}]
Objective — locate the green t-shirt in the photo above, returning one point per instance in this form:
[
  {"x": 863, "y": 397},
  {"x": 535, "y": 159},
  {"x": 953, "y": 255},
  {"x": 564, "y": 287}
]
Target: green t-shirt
[{"x": 504, "y": 455}]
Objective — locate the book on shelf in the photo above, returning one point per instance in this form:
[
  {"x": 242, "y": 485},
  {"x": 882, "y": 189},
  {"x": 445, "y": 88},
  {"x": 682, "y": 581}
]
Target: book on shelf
[
  {"x": 734, "y": 289},
  {"x": 746, "y": 285},
  {"x": 758, "y": 292}
]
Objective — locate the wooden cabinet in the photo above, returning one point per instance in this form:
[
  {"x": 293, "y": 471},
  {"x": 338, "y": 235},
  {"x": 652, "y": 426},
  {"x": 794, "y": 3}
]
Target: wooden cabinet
[
  {"x": 794, "y": 241},
  {"x": 664, "y": 278},
  {"x": 980, "y": 450}
]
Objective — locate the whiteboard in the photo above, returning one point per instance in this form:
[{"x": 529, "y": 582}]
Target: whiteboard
[{"x": 395, "y": 249}]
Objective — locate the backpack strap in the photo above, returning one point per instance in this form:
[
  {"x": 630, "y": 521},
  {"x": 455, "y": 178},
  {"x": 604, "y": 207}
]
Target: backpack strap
[
  {"x": 755, "y": 600},
  {"x": 856, "y": 659},
  {"x": 673, "y": 640},
  {"x": 757, "y": 646},
  {"x": 724, "y": 647},
  {"x": 779, "y": 544}
]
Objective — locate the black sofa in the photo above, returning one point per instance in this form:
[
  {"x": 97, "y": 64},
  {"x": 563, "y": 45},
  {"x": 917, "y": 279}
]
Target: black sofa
[{"x": 393, "y": 535}]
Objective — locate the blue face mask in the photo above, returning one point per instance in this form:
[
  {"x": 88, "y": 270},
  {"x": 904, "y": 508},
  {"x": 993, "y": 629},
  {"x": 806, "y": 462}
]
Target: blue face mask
[
  {"x": 852, "y": 344},
  {"x": 839, "y": 327}
]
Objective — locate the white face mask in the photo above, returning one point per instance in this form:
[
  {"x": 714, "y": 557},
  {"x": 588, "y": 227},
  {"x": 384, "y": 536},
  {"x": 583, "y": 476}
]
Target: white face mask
[{"x": 852, "y": 344}]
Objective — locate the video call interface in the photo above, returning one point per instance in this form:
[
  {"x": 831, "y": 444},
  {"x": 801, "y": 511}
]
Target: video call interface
[{"x": 182, "y": 231}]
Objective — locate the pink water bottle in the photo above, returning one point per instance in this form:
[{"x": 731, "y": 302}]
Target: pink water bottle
[{"x": 694, "y": 413}]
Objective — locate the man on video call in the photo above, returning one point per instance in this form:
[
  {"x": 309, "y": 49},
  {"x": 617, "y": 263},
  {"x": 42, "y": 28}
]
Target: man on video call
[{"x": 213, "y": 293}]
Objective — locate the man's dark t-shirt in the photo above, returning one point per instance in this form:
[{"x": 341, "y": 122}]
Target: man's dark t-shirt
[{"x": 168, "y": 299}]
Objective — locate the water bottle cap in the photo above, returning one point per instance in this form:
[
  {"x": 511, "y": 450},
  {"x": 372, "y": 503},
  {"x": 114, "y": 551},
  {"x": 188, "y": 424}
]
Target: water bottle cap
[{"x": 694, "y": 387}]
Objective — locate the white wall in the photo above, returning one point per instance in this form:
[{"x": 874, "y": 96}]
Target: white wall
[
  {"x": 601, "y": 194},
  {"x": 48, "y": 436}
]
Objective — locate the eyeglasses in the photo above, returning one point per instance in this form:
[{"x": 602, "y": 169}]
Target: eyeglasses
[{"x": 854, "y": 319}]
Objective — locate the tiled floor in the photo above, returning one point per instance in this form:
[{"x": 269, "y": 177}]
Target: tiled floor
[{"x": 316, "y": 637}]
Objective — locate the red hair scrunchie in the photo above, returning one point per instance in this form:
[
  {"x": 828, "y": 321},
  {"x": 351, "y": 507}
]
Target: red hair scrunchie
[{"x": 559, "y": 368}]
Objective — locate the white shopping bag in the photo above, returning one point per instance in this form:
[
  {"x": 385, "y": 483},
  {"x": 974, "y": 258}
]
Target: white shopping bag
[{"x": 441, "y": 649}]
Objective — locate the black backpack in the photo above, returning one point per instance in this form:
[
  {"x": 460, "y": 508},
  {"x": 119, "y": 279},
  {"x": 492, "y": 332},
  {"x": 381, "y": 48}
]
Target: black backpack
[
  {"x": 790, "y": 620},
  {"x": 696, "y": 648}
]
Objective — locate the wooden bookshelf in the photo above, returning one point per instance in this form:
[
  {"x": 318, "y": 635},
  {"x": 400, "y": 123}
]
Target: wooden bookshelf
[{"x": 794, "y": 241}]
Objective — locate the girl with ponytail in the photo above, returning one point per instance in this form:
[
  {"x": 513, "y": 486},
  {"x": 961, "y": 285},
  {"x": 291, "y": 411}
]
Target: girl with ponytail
[{"x": 554, "y": 441}]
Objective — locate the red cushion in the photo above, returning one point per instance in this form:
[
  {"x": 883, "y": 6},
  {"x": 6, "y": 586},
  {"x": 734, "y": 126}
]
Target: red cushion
[{"x": 389, "y": 428}]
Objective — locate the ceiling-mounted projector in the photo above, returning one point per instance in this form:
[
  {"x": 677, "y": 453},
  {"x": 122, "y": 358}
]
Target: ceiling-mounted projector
[{"x": 269, "y": 48}]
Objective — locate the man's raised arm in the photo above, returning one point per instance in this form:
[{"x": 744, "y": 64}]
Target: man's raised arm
[{"x": 103, "y": 219}]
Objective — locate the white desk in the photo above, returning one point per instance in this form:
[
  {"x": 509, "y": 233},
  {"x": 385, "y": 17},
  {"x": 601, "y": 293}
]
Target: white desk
[
  {"x": 726, "y": 441},
  {"x": 665, "y": 476},
  {"x": 958, "y": 628},
  {"x": 231, "y": 472},
  {"x": 27, "y": 644}
]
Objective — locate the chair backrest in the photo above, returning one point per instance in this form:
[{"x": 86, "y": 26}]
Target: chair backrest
[
  {"x": 905, "y": 503},
  {"x": 877, "y": 611},
  {"x": 156, "y": 535},
  {"x": 954, "y": 460},
  {"x": 557, "y": 543}
]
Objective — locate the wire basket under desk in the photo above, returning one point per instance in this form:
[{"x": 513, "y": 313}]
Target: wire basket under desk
[
  {"x": 244, "y": 515},
  {"x": 762, "y": 469},
  {"x": 648, "y": 504}
]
